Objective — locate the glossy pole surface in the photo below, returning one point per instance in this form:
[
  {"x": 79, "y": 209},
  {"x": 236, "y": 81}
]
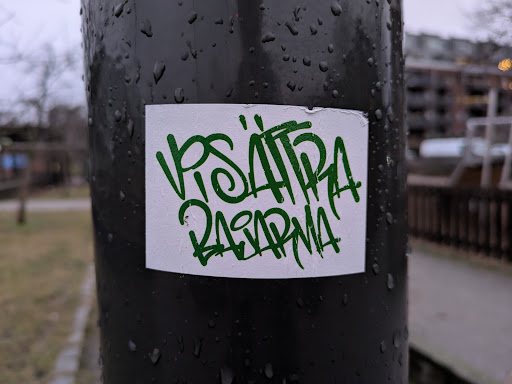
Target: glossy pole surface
[{"x": 169, "y": 328}]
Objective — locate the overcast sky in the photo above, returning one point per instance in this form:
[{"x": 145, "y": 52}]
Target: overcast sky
[
  {"x": 32, "y": 23},
  {"x": 448, "y": 18}
]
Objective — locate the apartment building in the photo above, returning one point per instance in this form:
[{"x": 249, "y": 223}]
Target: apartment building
[{"x": 448, "y": 81}]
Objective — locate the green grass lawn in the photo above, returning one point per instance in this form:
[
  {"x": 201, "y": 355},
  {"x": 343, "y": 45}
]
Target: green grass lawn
[{"x": 42, "y": 266}]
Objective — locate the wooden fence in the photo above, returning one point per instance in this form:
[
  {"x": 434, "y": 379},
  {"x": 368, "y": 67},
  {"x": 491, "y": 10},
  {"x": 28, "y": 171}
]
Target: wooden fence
[{"x": 473, "y": 219}]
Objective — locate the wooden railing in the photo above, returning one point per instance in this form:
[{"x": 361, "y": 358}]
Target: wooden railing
[{"x": 474, "y": 219}]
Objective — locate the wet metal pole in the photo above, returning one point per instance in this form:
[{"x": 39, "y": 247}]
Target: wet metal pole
[{"x": 248, "y": 186}]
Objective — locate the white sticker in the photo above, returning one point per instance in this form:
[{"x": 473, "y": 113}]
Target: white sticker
[{"x": 255, "y": 191}]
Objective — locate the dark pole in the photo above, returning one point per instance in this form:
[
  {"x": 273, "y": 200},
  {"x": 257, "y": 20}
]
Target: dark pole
[{"x": 167, "y": 327}]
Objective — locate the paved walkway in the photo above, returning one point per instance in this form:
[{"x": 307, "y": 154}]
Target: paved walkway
[
  {"x": 68, "y": 361},
  {"x": 460, "y": 314},
  {"x": 42, "y": 205}
]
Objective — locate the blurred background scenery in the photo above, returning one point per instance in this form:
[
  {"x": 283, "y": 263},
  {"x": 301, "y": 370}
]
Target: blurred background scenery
[{"x": 458, "y": 72}]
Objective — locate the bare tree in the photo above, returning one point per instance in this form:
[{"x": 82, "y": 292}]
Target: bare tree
[
  {"x": 47, "y": 67},
  {"x": 495, "y": 18},
  {"x": 10, "y": 54},
  {"x": 44, "y": 68}
]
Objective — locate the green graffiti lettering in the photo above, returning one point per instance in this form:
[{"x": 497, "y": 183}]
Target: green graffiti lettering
[
  {"x": 284, "y": 163},
  {"x": 265, "y": 235}
]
